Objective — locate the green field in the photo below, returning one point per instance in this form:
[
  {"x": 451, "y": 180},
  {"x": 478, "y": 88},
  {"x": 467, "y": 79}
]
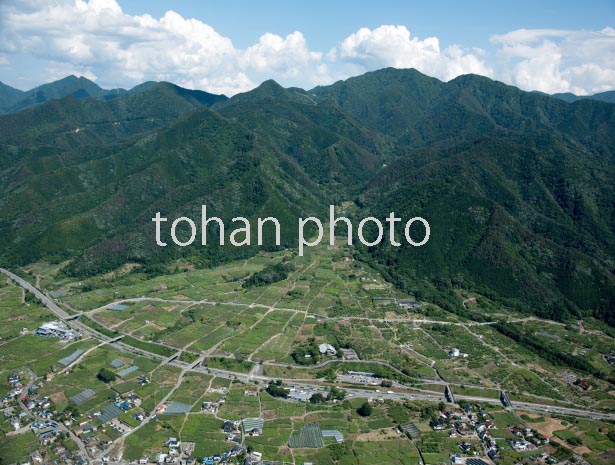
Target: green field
[{"x": 324, "y": 299}]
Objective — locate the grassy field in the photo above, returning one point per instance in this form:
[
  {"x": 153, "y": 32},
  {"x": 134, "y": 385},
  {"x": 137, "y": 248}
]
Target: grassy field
[
  {"x": 17, "y": 314},
  {"x": 18, "y": 448},
  {"x": 192, "y": 388},
  {"x": 249, "y": 341},
  {"x": 206, "y": 432},
  {"x": 39, "y": 353},
  {"x": 151, "y": 438}
]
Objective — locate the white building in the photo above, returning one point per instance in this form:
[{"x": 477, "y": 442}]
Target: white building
[
  {"x": 327, "y": 349},
  {"x": 57, "y": 329}
]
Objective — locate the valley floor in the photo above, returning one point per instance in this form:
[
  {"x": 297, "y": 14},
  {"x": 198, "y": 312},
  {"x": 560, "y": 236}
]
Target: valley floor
[{"x": 189, "y": 350}]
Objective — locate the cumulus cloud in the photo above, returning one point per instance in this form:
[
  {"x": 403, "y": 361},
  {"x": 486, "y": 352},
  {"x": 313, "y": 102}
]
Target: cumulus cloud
[
  {"x": 97, "y": 36},
  {"x": 55, "y": 71},
  {"x": 287, "y": 57},
  {"x": 551, "y": 60},
  {"x": 394, "y": 46},
  {"x": 98, "y": 40}
]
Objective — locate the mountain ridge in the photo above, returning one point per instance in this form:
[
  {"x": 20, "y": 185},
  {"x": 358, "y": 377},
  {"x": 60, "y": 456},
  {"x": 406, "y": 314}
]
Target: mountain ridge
[
  {"x": 517, "y": 185},
  {"x": 13, "y": 100}
]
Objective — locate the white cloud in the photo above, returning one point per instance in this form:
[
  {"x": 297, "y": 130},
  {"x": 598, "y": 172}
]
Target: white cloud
[
  {"x": 287, "y": 57},
  {"x": 55, "y": 71},
  {"x": 98, "y": 40},
  {"x": 97, "y": 36},
  {"x": 554, "y": 60},
  {"x": 393, "y": 46}
]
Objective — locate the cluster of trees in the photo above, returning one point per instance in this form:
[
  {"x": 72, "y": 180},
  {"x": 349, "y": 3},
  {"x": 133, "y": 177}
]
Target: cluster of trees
[
  {"x": 425, "y": 410},
  {"x": 307, "y": 354},
  {"x": 269, "y": 275},
  {"x": 105, "y": 375},
  {"x": 336, "y": 393},
  {"x": 317, "y": 398},
  {"x": 276, "y": 389},
  {"x": 68, "y": 412}
]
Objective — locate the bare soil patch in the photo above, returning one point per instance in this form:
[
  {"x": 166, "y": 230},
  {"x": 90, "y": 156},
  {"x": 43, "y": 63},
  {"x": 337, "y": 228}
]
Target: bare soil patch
[
  {"x": 378, "y": 435},
  {"x": 58, "y": 397},
  {"x": 546, "y": 428}
]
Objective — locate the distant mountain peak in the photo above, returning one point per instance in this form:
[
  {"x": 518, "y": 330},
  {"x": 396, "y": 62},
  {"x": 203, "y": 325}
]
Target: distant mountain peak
[
  {"x": 70, "y": 80},
  {"x": 12, "y": 100},
  {"x": 270, "y": 87},
  {"x": 608, "y": 96}
]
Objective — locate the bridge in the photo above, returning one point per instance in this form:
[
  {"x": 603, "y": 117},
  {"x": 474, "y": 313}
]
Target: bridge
[{"x": 448, "y": 392}]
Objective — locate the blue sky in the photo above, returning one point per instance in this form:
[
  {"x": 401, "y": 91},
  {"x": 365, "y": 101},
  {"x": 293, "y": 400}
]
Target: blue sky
[
  {"x": 231, "y": 47},
  {"x": 324, "y": 23}
]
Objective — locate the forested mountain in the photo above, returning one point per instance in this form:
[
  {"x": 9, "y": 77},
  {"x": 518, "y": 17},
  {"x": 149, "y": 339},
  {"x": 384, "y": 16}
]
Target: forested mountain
[
  {"x": 13, "y": 100},
  {"x": 518, "y": 187},
  {"x": 608, "y": 96},
  {"x": 78, "y": 87},
  {"x": 9, "y": 97}
]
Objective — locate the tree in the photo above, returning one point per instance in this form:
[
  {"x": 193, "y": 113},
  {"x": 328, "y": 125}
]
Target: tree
[
  {"x": 105, "y": 375},
  {"x": 337, "y": 451},
  {"x": 317, "y": 398},
  {"x": 365, "y": 410},
  {"x": 336, "y": 394},
  {"x": 386, "y": 383}
]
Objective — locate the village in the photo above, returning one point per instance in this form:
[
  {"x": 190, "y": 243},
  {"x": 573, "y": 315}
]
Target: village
[{"x": 471, "y": 426}]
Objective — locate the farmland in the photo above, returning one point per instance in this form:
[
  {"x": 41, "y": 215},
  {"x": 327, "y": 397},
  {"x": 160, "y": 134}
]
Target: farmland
[{"x": 198, "y": 340}]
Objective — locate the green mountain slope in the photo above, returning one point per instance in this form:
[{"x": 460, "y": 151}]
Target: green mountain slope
[
  {"x": 334, "y": 149},
  {"x": 9, "y": 97},
  {"x": 100, "y": 209},
  {"x": 517, "y": 186},
  {"x": 70, "y": 122},
  {"x": 390, "y": 100},
  {"x": 419, "y": 110},
  {"x": 508, "y": 218}
]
